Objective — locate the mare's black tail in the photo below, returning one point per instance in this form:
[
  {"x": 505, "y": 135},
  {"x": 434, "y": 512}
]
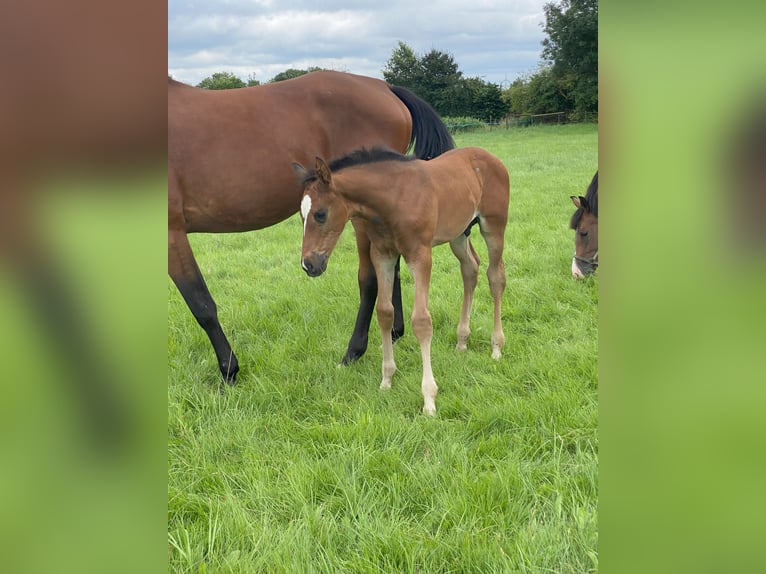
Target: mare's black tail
[{"x": 431, "y": 136}]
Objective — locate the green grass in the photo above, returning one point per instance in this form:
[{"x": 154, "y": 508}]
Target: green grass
[{"x": 307, "y": 467}]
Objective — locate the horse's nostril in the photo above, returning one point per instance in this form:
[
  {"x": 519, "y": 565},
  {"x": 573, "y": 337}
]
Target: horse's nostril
[{"x": 314, "y": 265}]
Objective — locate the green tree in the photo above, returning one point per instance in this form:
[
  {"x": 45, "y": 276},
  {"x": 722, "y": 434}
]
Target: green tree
[
  {"x": 441, "y": 84},
  {"x": 221, "y": 81},
  {"x": 486, "y": 100},
  {"x": 291, "y": 73},
  {"x": 539, "y": 93},
  {"x": 403, "y": 67},
  {"x": 517, "y": 96},
  {"x": 436, "y": 78},
  {"x": 251, "y": 81},
  {"x": 549, "y": 93},
  {"x": 572, "y": 49}
]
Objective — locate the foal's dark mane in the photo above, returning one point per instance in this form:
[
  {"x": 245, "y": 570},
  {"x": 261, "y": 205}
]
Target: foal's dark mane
[
  {"x": 591, "y": 197},
  {"x": 362, "y": 156}
]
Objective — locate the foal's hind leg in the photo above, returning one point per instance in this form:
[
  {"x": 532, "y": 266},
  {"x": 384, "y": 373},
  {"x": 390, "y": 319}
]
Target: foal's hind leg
[
  {"x": 469, "y": 269},
  {"x": 493, "y": 231}
]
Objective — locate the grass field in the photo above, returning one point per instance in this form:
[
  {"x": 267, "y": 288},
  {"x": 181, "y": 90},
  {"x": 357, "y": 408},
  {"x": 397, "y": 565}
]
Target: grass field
[{"x": 307, "y": 467}]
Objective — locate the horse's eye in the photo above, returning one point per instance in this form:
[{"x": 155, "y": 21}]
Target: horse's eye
[
  {"x": 583, "y": 233},
  {"x": 320, "y": 216}
]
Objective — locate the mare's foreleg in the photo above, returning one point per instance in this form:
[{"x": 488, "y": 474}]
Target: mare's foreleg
[
  {"x": 185, "y": 273},
  {"x": 493, "y": 231},
  {"x": 469, "y": 269},
  {"x": 385, "y": 267},
  {"x": 368, "y": 292},
  {"x": 422, "y": 326}
]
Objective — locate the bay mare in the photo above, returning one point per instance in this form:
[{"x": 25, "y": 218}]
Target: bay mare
[
  {"x": 406, "y": 206},
  {"x": 229, "y": 155},
  {"x": 585, "y": 223}
]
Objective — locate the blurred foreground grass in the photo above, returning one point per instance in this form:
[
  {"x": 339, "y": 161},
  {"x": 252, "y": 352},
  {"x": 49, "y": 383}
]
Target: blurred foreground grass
[
  {"x": 66, "y": 478},
  {"x": 681, "y": 329}
]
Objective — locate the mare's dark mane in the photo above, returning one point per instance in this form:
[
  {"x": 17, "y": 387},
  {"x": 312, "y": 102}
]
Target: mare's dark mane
[
  {"x": 591, "y": 197},
  {"x": 362, "y": 156}
]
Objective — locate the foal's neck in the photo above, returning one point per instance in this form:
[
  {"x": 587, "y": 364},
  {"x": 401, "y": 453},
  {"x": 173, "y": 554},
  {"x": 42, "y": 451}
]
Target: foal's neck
[{"x": 367, "y": 194}]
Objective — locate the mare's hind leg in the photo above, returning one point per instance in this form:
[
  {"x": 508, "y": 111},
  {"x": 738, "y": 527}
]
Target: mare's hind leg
[
  {"x": 493, "y": 231},
  {"x": 469, "y": 269},
  {"x": 186, "y": 275},
  {"x": 368, "y": 292}
]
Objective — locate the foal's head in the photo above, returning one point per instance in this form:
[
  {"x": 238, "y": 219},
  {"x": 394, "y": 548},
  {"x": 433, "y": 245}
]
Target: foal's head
[
  {"x": 324, "y": 214},
  {"x": 585, "y": 223}
]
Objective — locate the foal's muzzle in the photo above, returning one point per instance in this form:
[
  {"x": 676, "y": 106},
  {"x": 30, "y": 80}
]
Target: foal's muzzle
[{"x": 314, "y": 264}]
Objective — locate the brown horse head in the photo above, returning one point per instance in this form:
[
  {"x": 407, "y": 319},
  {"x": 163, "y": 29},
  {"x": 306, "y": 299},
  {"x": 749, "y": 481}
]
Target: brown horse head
[
  {"x": 324, "y": 215},
  {"x": 585, "y": 223}
]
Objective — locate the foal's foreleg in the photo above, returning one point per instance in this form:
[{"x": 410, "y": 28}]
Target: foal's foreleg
[
  {"x": 493, "y": 233},
  {"x": 385, "y": 269},
  {"x": 368, "y": 292},
  {"x": 420, "y": 266},
  {"x": 469, "y": 269}
]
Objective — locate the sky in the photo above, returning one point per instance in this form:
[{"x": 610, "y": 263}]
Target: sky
[{"x": 496, "y": 40}]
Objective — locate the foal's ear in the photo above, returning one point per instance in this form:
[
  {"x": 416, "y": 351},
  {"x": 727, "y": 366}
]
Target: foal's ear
[
  {"x": 323, "y": 171},
  {"x": 574, "y": 198}
]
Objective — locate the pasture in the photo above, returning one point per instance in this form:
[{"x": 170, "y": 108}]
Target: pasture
[{"x": 307, "y": 467}]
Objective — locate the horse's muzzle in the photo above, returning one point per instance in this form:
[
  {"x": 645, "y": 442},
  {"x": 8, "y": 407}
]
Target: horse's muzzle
[
  {"x": 582, "y": 267},
  {"x": 315, "y": 264}
]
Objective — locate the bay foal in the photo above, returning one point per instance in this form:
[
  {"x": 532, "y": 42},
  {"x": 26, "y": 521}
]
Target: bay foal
[{"x": 406, "y": 206}]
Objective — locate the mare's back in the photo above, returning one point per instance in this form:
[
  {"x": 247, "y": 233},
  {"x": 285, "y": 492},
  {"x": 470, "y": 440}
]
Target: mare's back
[{"x": 232, "y": 150}]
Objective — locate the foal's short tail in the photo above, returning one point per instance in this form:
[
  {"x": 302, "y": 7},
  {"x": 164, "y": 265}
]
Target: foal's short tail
[{"x": 431, "y": 136}]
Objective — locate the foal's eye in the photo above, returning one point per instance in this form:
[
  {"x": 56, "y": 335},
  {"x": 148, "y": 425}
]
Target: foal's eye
[
  {"x": 583, "y": 233},
  {"x": 320, "y": 216}
]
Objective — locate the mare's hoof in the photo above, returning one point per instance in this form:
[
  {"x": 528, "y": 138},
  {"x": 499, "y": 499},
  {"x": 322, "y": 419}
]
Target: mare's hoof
[
  {"x": 348, "y": 359},
  {"x": 352, "y": 356},
  {"x": 429, "y": 410}
]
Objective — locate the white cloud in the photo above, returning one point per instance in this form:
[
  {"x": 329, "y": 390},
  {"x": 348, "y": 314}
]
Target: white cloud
[{"x": 496, "y": 40}]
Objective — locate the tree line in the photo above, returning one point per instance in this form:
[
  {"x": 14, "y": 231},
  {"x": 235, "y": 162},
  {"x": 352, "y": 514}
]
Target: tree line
[{"x": 565, "y": 81}]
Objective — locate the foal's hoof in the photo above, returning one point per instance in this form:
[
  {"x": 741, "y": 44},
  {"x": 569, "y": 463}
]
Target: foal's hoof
[
  {"x": 496, "y": 354},
  {"x": 429, "y": 410},
  {"x": 461, "y": 347}
]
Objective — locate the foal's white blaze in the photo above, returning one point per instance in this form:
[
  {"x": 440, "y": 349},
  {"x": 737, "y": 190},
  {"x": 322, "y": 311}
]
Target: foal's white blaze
[{"x": 305, "y": 209}]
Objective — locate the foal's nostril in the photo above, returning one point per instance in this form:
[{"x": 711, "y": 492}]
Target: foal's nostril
[{"x": 315, "y": 264}]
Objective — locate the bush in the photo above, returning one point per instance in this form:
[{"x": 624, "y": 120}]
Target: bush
[{"x": 462, "y": 123}]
